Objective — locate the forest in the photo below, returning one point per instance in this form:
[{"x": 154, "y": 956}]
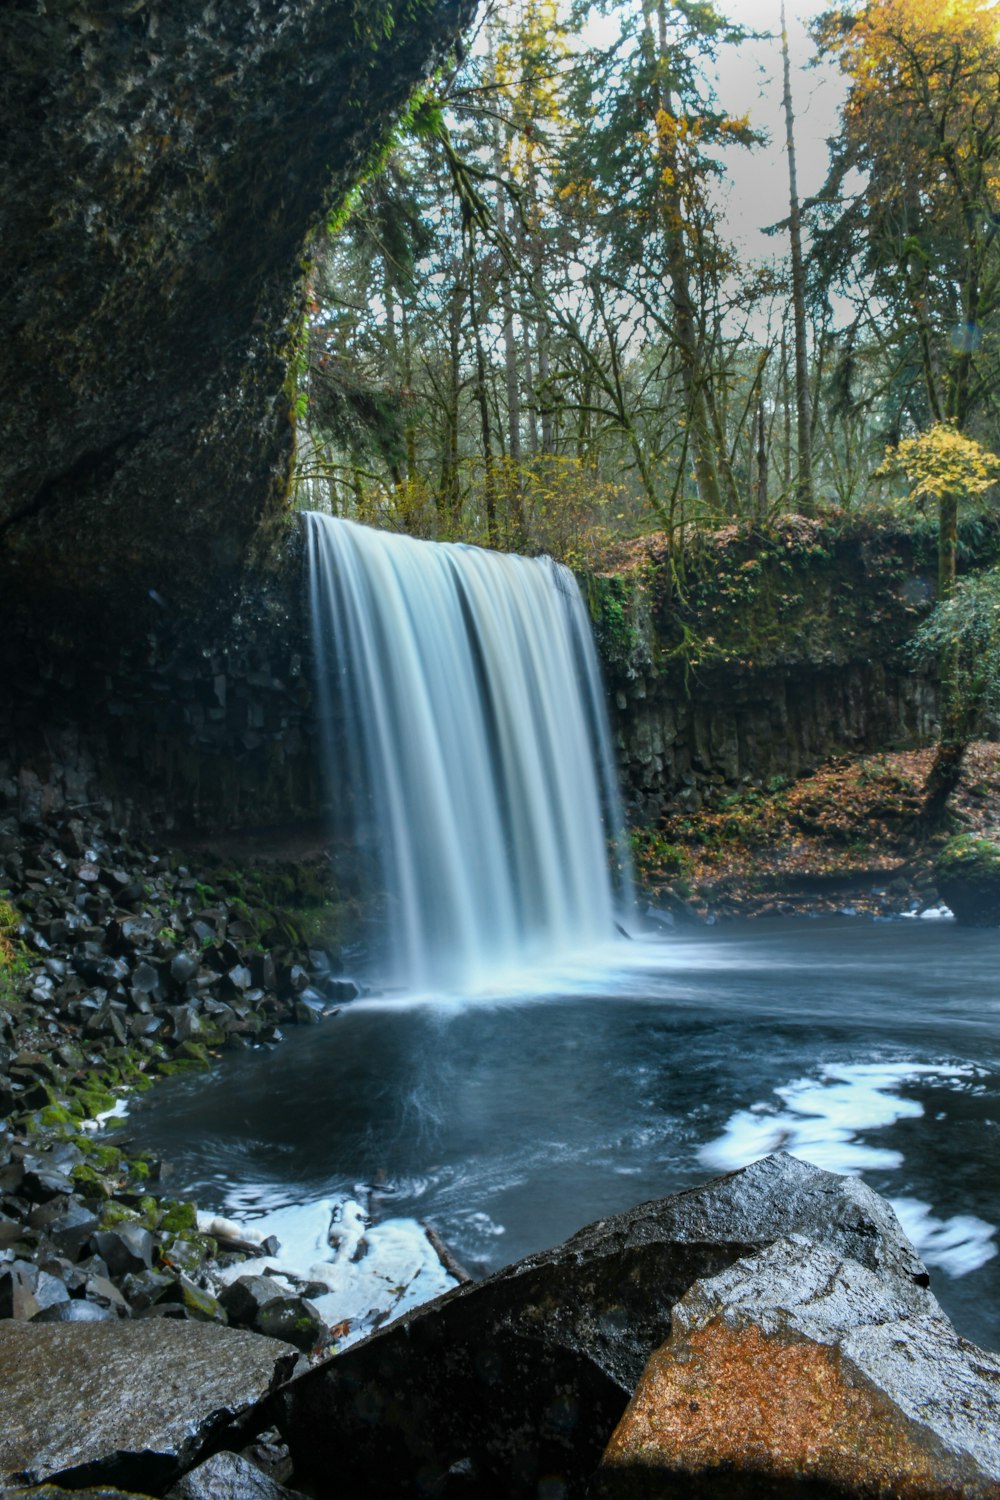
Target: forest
[
  {"x": 530, "y": 327},
  {"x": 499, "y": 1000}
]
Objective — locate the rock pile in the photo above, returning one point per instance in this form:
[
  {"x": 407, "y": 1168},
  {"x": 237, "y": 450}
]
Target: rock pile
[
  {"x": 119, "y": 965},
  {"x": 514, "y": 1387}
]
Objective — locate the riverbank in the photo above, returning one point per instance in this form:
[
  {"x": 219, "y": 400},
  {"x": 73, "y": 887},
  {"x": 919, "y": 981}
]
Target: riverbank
[
  {"x": 119, "y": 965},
  {"x": 847, "y": 837}
]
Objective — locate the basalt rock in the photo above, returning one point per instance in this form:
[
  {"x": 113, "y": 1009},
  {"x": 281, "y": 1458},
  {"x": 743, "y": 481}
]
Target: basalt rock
[
  {"x": 795, "y": 1372},
  {"x": 495, "y": 1387},
  {"x": 132, "y": 1404},
  {"x": 164, "y": 165},
  {"x": 228, "y": 1476}
]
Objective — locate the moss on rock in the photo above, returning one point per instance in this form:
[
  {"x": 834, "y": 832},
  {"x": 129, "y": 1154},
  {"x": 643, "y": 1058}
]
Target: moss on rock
[{"x": 967, "y": 874}]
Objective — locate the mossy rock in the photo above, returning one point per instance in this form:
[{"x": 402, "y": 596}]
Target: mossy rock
[{"x": 967, "y": 875}]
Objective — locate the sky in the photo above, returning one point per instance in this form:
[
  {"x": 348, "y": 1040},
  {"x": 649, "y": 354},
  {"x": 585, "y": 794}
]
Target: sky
[{"x": 750, "y": 80}]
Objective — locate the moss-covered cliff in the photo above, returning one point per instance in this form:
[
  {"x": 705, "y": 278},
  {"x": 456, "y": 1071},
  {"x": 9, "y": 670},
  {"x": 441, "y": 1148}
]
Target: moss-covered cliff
[
  {"x": 781, "y": 648},
  {"x": 163, "y": 165}
]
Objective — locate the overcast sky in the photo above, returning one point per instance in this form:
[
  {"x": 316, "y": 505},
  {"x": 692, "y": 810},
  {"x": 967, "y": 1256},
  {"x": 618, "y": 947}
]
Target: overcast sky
[{"x": 750, "y": 80}]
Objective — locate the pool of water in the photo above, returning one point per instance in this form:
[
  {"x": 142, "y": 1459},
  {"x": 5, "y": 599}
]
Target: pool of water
[{"x": 508, "y": 1120}]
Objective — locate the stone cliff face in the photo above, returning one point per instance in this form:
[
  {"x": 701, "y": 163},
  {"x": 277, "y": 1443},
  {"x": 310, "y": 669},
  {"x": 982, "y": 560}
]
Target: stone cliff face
[
  {"x": 163, "y": 166},
  {"x": 781, "y": 650}
]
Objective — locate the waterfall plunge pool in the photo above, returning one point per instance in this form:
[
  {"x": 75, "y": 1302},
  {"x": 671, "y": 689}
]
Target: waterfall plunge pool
[{"x": 508, "y": 1121}]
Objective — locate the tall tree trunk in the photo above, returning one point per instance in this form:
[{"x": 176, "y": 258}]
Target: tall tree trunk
[
  {"x": 482, "y": 401},
  {"x": 685, "y": 321},
  {"x": 760, "y": 489},
  {"x": 805, "y": 502},
  {"x": 449, "y": 494}
]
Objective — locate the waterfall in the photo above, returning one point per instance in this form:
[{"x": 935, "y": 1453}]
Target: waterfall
[{"x": 464, "y": 715}]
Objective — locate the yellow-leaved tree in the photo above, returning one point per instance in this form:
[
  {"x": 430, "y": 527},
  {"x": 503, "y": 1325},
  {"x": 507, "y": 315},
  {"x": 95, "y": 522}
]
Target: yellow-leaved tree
[
  {"x": 911, "y": 212},
  {"x": 945, "y": 466}
]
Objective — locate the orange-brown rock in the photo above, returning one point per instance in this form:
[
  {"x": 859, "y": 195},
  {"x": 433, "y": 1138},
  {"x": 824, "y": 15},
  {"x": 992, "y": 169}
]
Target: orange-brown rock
[{"x": 825, "y": 1398}]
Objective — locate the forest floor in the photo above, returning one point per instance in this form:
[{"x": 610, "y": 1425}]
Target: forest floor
[{"x": 846, "y": 837}]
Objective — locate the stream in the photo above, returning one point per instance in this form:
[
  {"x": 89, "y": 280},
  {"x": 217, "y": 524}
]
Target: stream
[{"x": 508, "y": 1121}]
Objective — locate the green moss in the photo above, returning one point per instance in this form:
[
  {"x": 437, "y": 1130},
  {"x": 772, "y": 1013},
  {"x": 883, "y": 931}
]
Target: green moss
[
  {"x": 116, "y": 1213},
  {"x": 90, "y": 1101},
  {"x": 55, "y": 1114},
  {"x": 967, "y": 874},
  {"x": 177, "y": 1217},
  {"x": 968, "y": 854},
  {"x": 105, "y": 1158}
]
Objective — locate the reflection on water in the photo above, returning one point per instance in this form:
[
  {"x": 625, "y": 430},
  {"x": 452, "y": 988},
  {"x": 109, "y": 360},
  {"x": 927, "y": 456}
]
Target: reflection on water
[{"x": 510, "y": 1120}]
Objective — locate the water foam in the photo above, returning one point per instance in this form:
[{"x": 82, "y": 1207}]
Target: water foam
[{"x": 819, "y": 1120}]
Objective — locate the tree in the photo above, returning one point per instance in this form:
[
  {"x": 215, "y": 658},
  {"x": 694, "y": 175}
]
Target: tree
[
  {"x": 803, "y": 397},
  {"x": 635, "y": 171},
  {"x": 943, "y": 465},
  {"x": 921, "y": 125}
]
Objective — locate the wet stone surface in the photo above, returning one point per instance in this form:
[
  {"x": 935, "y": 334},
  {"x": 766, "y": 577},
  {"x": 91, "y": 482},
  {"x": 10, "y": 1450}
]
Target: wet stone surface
[
  {"x": 124, "y": 966},
  {"x": 127, "y": 1403}
]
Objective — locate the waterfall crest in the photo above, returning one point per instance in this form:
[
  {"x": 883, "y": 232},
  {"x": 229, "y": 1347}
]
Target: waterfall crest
[{"x": 462, "y": 704}]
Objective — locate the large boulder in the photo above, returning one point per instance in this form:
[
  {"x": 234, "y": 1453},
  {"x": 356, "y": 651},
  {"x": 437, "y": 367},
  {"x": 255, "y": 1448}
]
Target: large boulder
[
  {"x": 798, "y": 1367},
  {"x": 129, "y": 1404},
  {"x": 164, "y": 165},
  {"x": 967, "y": 875},
  {"x": 496, "y": 1388}
]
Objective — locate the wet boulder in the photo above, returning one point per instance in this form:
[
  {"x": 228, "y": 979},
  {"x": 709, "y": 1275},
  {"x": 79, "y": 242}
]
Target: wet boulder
[
  {"x": 798, "y": 1368},
  {"x": 245, "y": 1298},
  {"x": 126, "y": 1247},
  {"x": 129, "y": 1403},
  {"x": 967, "y": 876},
  {"x": 498, "y": 1385},
  {"x": 259, "y": 1303},
  {"x": 229, "y": 1476}
]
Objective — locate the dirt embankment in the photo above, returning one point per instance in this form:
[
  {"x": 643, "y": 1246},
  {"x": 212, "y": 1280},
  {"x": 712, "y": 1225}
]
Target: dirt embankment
[{"x": 847, "y": 836}]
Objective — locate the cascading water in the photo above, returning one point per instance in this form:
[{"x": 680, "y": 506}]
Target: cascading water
[{"x": 463, "y": 709}]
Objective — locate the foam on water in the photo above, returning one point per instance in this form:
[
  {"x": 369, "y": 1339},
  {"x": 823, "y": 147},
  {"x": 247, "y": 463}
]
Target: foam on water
[
  {"x": 371, "y": 1273},
  {"x": 819, "y": 1120}
]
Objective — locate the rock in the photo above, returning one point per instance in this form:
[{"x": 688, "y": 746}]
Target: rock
[
  {"x": 967, "y": 875},
  {"x": 527, "y": 1373},
  {"x": 184, "y": 966},
  {"x": 50, "y": 1291},
  {"x": 55, "y": 1492},
  {"x": 71, "y": 1228},
  {"x": 796, "y": 1366},
  {"x": 295, "y": 1320},
  {"x": 244, "y": 1298},
  {"x": 133, "y": 1403},
  {"x": 182, "y": 1298},
  {"x": 17, "y": 1290},
  {"x": 75, "y": 1311},
  {"x": 227, "y": 1476},
  {"x": 126, "y": 1247},
  {"x": 208, "y": 119}
]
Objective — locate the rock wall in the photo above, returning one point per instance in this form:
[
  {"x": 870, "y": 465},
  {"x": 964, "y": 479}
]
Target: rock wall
[
  {"x": 172, "y": 732},
  {"x": 164, "y": 165},
  {"x": 185, "y": 729},
  {"x": 779, "y": 651},
  {"x": 678, "y": 748}
]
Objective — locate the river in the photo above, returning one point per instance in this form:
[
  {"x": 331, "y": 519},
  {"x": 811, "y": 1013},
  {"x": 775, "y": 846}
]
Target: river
[{"x": 509, "y": 1120}]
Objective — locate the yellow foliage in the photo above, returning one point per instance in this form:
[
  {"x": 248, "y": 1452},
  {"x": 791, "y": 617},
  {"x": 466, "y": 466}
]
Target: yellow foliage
[
  {"x": 924, "y": 80},
  {"x": 941, "y": 462}
]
